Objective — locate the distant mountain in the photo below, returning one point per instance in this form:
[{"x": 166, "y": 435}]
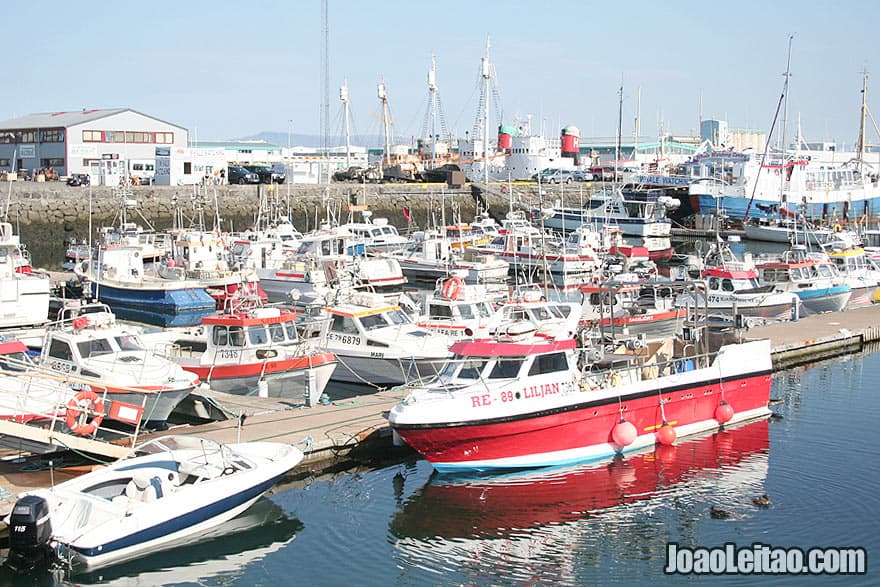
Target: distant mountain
[{"x": 303, "y": 140}]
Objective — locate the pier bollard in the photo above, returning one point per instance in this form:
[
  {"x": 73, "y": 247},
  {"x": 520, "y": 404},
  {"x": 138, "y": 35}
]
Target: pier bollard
[{"x": 795, "y": 309}]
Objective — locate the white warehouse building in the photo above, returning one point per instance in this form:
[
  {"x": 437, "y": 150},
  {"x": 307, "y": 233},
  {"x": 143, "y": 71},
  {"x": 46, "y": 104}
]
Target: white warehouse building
[{"x": 107, "y": 144}]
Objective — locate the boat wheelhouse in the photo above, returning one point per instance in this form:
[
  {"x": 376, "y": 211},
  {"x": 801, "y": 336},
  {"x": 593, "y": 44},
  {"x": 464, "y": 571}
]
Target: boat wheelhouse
[
  {"x": 818, "y": 285},
  {"x": 326, "y": 260},
  {"x": 378, "y": 344}
]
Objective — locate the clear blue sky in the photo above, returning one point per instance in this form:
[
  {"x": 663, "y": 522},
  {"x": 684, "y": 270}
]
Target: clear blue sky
[{"x": 232, "y": 69}]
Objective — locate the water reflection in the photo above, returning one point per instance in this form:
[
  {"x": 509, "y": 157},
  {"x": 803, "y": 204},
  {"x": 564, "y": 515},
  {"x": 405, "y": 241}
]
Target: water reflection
[
  {"x": 222, "y": 555},
  {"x": 540, "y": 525}
]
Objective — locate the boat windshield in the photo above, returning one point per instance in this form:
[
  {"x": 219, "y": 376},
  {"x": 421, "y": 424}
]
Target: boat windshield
[
  {"x": 167, "y": 444},
  {"x": 373, "y": 322},
  {"x": 129, "y": 342},
  {"x": 397, "y": 317},
  {"x": 94, "y": 347},
  {"x": 506, "y": 368}
]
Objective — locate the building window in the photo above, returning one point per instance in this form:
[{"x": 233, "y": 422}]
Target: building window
[
  {"x": 52, "y": 136},
  {"x": 164, "y": 138},
  {"x": 114, "y": 136},
  {"x": 93, "y": 136},
  {"x": 138, "y": 137},
  {"x": 4, "y": 162},
  {"x": 26, "y": 136},
  {"x": 52, "y": 162},
  {"x": 187, "y": 168},
  {"x": 7, "y": 138}
]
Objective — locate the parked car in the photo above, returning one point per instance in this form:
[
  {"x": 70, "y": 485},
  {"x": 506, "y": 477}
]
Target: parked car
[
  {"x": 355, "y": 173},
  {"x": 550, "y": 175},
  {"x": 279, "y": 173},
  {"x": 581, "y": 175},
  {"x": 607, "y": 173},
  {"x": 263, "y": 171},
  {"x": 78, "y": 179},
  {"x": 440, "y": 174},
  {"x": 240, "y": 175}
]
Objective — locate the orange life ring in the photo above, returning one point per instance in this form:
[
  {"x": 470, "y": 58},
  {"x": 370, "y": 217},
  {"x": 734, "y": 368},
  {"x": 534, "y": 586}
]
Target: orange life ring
[
  {"x": 85, "y": 400},
  {"x": 452, "y": 288}
]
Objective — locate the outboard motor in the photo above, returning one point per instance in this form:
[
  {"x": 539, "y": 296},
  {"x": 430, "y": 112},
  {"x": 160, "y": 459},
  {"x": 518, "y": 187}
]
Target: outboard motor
[{"x": 29, "y": 532}]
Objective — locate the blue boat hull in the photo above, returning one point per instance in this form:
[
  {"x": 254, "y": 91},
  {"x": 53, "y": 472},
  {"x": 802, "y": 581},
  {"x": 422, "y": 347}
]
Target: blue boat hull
[
  {"x": 735, "y": 208},
  {"x": 176, "y": 307}
]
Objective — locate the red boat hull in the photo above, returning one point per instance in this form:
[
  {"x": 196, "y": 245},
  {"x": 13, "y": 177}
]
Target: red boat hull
[{"x": 582, "y": 432}]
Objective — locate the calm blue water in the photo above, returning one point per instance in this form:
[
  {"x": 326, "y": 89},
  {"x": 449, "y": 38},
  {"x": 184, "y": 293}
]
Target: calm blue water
[{"x": 403, "y": 525}]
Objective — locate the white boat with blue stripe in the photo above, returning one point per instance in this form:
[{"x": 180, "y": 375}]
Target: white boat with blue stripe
[{"x": 164, "y": 493}]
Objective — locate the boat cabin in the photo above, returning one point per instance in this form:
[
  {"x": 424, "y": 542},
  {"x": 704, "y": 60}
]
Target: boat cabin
[
  {"x": 250, "y": 332},
  {"x": 494, "y": 361}
]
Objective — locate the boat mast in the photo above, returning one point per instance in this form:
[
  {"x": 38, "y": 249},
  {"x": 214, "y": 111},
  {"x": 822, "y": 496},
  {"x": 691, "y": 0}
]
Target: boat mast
[
  {"x": 383, "y": 97},
  {"x": 432, "y": 98},
  {"x": 618, "y": 146},
  {"x": 485, "y": 71},
  {"x": 343, "y": 96},
  {"x": 638, "y": 122},
  {"x": 787, "y": 75},
  {"x": 861, "y": 143}
]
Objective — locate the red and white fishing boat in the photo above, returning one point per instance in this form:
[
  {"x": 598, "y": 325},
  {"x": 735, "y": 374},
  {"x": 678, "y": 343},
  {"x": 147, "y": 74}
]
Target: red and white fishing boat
[
  {"x": 634, "y": 308},
  {"x": 256, "y": 351},
  {"x": 522, "y": 399}
]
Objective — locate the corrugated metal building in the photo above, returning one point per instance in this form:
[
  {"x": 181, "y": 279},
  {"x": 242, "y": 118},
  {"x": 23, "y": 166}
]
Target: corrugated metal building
[{"x": 85, "y": 141}]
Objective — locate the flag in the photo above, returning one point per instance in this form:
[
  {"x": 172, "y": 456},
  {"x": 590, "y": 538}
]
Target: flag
[{"x": 407, "y": 215}]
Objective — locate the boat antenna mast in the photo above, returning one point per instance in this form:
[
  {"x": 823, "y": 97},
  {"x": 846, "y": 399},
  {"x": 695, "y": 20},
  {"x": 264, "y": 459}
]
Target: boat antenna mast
[
  {"x": 325, "y": 98},
  {"x": 861, "y": 143}
]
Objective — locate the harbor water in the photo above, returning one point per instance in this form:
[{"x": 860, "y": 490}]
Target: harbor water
[{"x": 610, "y": 523}]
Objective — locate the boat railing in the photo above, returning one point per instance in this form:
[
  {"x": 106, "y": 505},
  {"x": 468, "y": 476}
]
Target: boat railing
[{"x": 65, "y": 411}]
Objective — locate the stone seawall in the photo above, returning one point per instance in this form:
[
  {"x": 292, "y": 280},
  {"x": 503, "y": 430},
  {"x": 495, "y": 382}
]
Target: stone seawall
[{"x": 47, "y": 215}]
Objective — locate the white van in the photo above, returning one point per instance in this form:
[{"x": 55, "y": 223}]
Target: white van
[{"x": 143, "y": 169}]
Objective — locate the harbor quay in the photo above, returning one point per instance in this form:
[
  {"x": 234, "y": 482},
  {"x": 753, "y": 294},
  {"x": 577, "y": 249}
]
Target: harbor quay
[{"x": 50, "y": 214}]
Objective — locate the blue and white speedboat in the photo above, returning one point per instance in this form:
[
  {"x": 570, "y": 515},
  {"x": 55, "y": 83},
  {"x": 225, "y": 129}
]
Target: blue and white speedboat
[{"x": 164, "y": 493}]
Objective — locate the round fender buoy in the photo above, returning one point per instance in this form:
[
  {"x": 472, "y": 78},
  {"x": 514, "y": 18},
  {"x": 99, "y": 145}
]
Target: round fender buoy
[
  {"x": 723, "y": 413},
  {"x": 666, "y": 434},
  {"x": 624, "y": 433}
]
